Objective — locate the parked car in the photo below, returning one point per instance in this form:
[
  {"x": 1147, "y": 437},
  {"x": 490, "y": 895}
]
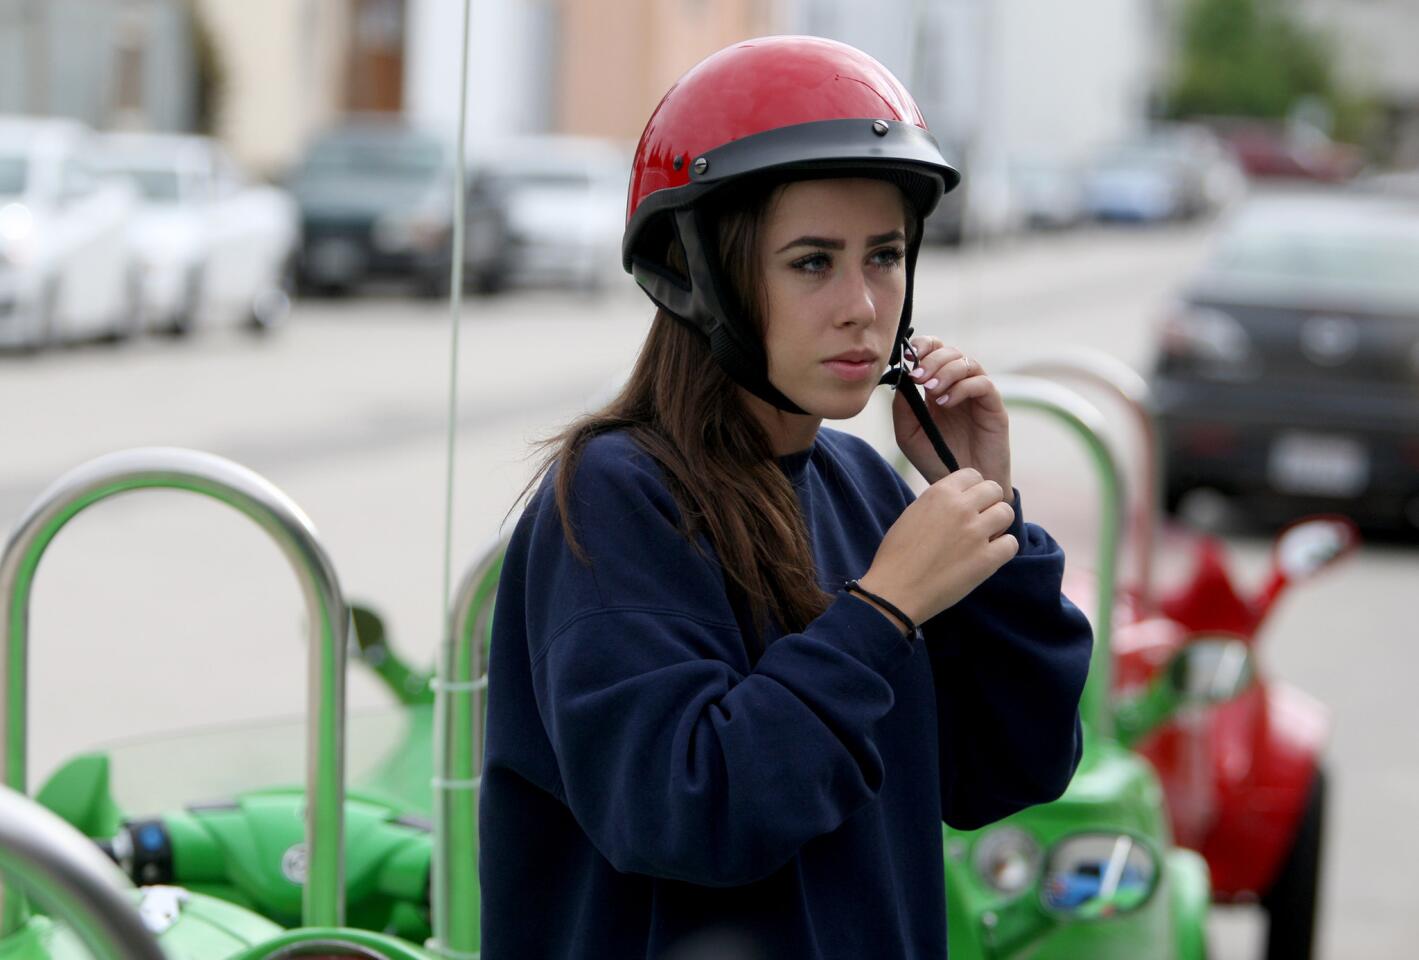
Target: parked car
[
  {"x": 1286, "y": 374},
  {"x": 64, "y": 272},
  {"x": 1142, "y": 182},
  {"x": 982, "y": 209},
  {"x": 1049, "y": 195},
  {"x": 553, "y": 213},
  {"x": 210, "y": 246},
  {"x": 1296, "y": 151},
  {"x": 376, "y": 200}
]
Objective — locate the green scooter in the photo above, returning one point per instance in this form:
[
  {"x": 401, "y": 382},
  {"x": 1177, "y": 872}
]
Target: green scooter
[{"x": 284, "y": 849}]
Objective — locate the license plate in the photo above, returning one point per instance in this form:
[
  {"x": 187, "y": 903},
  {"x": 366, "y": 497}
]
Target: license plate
[{"x": 1328, "y": 465}]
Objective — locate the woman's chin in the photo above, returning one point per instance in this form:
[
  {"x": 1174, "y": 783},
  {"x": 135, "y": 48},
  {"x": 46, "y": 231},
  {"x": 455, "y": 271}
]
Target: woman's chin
[{"x": 840, "y": 404}]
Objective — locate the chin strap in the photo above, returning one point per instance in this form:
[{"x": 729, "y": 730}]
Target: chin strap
[{"x": 897, "y": 378}]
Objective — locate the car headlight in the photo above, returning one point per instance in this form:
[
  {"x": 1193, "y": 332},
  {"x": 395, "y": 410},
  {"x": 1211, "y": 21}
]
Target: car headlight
[
  {"x": 1213, "y": 340},
  {"x": 1097, "y": 875},
  {"x": 1007, "y": 860}
]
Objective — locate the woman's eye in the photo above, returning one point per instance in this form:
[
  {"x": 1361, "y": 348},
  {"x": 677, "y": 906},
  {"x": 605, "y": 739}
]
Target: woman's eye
[
  {"x": 813, "y": 263},
  {"x": 889, "y": 257}
]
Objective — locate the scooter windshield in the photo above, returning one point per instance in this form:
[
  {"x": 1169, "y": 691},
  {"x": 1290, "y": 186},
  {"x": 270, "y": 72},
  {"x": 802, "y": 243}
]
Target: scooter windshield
[{"x": 388, "y": 755}]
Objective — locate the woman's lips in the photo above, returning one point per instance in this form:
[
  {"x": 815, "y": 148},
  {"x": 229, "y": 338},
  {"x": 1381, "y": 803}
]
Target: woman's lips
[{"x": 850, "y": 369}]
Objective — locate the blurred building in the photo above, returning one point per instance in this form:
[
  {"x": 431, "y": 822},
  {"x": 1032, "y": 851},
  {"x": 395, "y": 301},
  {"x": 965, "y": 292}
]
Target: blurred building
[
  {"x": 513, "y": 69},
  {"x": 284, "y": 73},
  {"x": 110, "y": 63},
  {"x": 618, "y": 57},
  {"x": 1006, "y": 83}
]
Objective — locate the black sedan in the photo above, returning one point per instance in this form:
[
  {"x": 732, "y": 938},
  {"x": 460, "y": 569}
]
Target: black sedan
[
  {"x": 1287, "y": 375},
  {"x": 376, "y": 200}
]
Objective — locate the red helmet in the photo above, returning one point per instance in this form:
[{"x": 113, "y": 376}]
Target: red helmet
[{"x": 784, "y": 108}]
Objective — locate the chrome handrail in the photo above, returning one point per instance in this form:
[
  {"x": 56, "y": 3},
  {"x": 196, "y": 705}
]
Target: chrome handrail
[
  {"x": 1085, "y": 420},
  {"x": 460, "y": 690},
  {"x": 328, "y": 620},
  {"x": 63, "y": 869},
  {"x": 1107, "y": 371}
]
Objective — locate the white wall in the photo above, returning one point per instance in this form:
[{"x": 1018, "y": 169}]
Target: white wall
[
  {"x": 1017, "y": 78},
  {"x": 510, "y": 75}
]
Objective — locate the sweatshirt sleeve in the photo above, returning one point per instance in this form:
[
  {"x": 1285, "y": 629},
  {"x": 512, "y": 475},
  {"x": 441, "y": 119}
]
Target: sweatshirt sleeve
[
  {"x": 676, "y": 756},
  {"x": 1010, "y": 661}
]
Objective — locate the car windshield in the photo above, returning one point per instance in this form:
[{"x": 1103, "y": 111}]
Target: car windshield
[
  {"x": 13, "y": 172},
  {"x": 1341, "y": 261},
  {"x": 156, "y": 184},
  {"x": 407, "y": 158}
]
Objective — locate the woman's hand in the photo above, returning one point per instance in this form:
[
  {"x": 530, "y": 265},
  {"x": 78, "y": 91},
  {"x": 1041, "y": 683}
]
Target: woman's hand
[
  {"x": 972, "y": 419},
  {"x": 944, "y": 545}
]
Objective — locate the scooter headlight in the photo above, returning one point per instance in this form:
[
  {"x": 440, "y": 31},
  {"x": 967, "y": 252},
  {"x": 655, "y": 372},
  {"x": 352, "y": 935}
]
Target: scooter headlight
[
  {"x": 1097, "y": 875},
  {"x": 1007, "y": 860}
]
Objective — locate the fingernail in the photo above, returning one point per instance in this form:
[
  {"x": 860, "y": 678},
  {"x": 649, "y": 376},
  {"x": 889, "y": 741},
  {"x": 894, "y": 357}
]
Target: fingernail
[
  {"x": 941, "y": 400},
  {"x": 931, "y": 384},
  {"x": 918, "y": 373}
]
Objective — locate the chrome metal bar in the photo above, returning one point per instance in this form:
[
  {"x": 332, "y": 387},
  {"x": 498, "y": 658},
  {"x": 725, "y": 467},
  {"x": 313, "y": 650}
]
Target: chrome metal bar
[
  {"x": 328, "y": 620},
  {"x": 63, "y": 870},
  {"x": 458, "y": 739},
  {"x": 1087, "y": 423},
  {"x": 1111, "y": 373}
]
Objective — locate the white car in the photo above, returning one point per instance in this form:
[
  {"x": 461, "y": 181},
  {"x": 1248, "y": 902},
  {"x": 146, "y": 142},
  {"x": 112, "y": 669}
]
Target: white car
[
  {"x": 209, "y": 246},
  {"x": 64, "y": 269},
  {"x": 561, "y": 209}
]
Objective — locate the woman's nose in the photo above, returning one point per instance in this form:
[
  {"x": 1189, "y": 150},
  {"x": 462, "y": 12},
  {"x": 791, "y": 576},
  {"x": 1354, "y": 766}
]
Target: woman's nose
[{"x": 857, "y": 306}]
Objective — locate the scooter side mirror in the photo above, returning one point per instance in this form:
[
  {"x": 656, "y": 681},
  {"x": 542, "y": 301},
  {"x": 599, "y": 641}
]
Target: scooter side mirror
[
  {"x": 1208, "y": 670},
  {"x": 1211, "y": 670},
  {"x": 1305, "y": 548},
  {"x": 371, "y": 643}
]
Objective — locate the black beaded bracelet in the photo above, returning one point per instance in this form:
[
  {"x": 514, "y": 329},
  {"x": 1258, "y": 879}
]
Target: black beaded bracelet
[{"x": 852, "y": 586}]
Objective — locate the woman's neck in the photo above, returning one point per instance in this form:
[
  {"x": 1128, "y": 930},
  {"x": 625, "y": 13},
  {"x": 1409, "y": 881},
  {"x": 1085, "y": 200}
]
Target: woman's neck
[{"x": 788, "y": 432}]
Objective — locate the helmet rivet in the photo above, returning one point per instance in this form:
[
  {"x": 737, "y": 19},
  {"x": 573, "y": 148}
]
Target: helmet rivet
[
  {"x": 679, "y": 160},
  {"x": 701, "y": 165},
  {"x": 879, "y": 127}
]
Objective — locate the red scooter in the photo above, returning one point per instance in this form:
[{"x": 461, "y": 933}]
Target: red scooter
[{"x": 1239, "y": 753}]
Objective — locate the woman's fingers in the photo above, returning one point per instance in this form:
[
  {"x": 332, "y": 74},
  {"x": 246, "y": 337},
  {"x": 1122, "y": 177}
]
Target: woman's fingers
[
  {"x": 940, "y": 371},
  {"x": 984, "y": 495},
  {"x": 977, "y": 387},
  {"x": 929, "y": 363}
]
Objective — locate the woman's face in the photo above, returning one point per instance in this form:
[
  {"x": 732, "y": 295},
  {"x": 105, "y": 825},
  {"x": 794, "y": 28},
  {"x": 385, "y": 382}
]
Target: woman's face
[{"x": 832, "y": 254}]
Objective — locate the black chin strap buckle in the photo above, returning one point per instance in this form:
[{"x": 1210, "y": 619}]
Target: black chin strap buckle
[{"x": 898, "y": 379}]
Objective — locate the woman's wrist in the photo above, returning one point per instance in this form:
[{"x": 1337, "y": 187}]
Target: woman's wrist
[{"x": 894, "y": 614}]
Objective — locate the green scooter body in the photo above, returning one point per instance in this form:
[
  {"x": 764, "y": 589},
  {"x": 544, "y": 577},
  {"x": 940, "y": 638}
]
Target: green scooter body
[
  {"x": 1113, "y": 791},
  {"x": 204, "y": 928}
]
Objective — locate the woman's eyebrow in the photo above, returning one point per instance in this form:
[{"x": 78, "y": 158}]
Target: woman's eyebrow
[
  {"x": 826, "y": 244},
  {"x": 822, "y": 242}
]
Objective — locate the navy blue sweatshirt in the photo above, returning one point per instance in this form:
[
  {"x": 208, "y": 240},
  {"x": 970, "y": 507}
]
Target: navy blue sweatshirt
[{"x": 647, "y": 783}]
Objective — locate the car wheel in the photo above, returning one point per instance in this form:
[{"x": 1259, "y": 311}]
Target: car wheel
[
  {"x": 130, "y": 320},
  {"x": 46, "y": 327},
  {"x": 271, "y": 308},
  {"x": 1291, "y": 903},
  {"x": 185, "y": 319}
]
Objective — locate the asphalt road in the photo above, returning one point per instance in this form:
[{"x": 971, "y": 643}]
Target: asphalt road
[{"x": 162, "y": 611}]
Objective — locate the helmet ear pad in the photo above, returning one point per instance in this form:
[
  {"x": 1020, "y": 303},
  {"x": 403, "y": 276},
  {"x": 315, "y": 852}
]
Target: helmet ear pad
[{"x": 706, "y": 301}]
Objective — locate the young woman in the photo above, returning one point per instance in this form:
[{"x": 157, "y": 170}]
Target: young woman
[{"x": 739, "y": 675}]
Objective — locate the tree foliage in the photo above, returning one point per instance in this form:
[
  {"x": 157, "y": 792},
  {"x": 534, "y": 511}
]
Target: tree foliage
[{"x": 1253, "y": 58}]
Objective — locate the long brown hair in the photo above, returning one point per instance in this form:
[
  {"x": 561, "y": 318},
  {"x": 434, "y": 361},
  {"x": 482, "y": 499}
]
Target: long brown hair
[{"x": 681, "y": 409}]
